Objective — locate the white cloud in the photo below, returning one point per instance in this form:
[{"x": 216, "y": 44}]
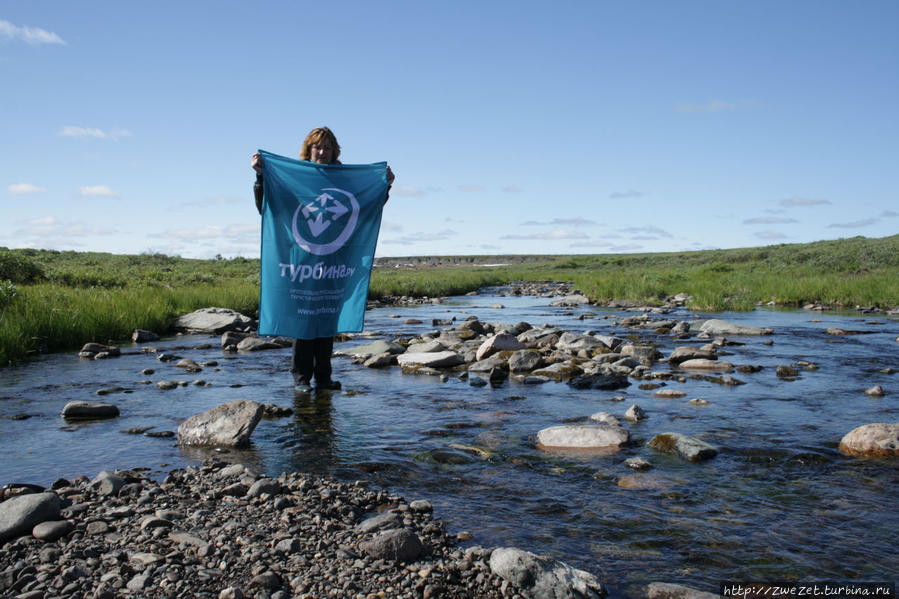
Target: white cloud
[
  {"x": 408, "y": 191},
  {"x": 630, "y": 193},
  {"x": 114, "y": 134},
  {"x": 552, "y": 235},
  {"x": 24, "y": 189},
  {"x": 646, "y": 233},
  {"x": 804, "y": 202},
  {"x": 421, "y": 237},
  {"x": 232, "y": 233},
  {"x": 30, "y": 35},
  {"x": 592, "y": 244},
  {"x": 867, "y": 222},
  {"x": 512, "y": 189},
  {"x": 97, "y": 190},
  {"x": 564, "y": 222},
  {"x": 471, "y": 188},
  {"x": 50, "y": 227},
  {"x": 770, "y": 235},
  {"x": 768, "y": 220}
]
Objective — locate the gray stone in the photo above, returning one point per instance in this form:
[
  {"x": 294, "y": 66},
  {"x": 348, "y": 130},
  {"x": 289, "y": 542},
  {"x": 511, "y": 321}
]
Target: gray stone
[
  {"x": 383, "y": 521},
  {"x": 689, "y": 448},
  {"x": 106, "y": 483},
  {"x": 705, "y": 364},
  {"x": 599, "y": 381},
  {"x": 721, "y": 327},
  {"x": 89, "y": 410},
  {"x": 635, "y": 414},
  {"x": 382, "y": 360},
  {"x": 213, "y": 321},
  {"x": 877, "y": 439},
  {"x": 142, "y": 336},
  {"x": 573, "y": 342},
  {"x": 498, "y": 343},
  {"x": 426, "y": 347},
  {"x": 257, "y": 344},
  {"x": 667, "y": 590},
  {"x": 443, "y": 359},
  {"x": 489, "y": 364},
  {"x": 525, "y": 360},
  {"x": 401, "y": 545},
  {"x": 229, "y": 425},
  {"x": 582, "y": 436},
  {"x": 52, "y": 529},
  {"x": 544, "y": 578},
  {"x": 688, "y": 352},
  {"x": 269, "y": 486},
  {"x": 19, "y": 515},
  {"x": 372, "y": 349}
]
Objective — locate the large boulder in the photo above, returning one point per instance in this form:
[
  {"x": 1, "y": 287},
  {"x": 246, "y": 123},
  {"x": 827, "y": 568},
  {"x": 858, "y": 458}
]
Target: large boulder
[
  {"x": 688, "y": 352},
  {"x": 668, "y": 590},
  {"x": 20, "y": 514},
  {"x": 228, "y": 425},
  {"x": 442, "y": 359},
  {"x": 525, "y": 360},
  {"x": 89, "y": 410},
  {"x": 573, "y": 342},
  {"x": 212, "y": 320},
  {"x": 715, "y": 327},
  {"x": 257, "y": 344},
  {"x": 400, "y": 545},
  {"x": 689, "y": 448},
  {"x": 498, "y": 343},
  {"x": 878, "y": 439},
  {"x": 544, "y": 578},
  {"x": 582, "y": 436}
]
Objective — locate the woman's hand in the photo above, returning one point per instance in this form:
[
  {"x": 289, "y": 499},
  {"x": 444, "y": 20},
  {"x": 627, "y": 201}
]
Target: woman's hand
[
  {"x": 256, "y": 163},
  {"x": 390, "y": 176}
]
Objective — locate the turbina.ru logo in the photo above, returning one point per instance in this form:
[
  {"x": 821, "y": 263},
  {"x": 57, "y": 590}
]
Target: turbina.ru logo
[{"x": 322, "y": 226}]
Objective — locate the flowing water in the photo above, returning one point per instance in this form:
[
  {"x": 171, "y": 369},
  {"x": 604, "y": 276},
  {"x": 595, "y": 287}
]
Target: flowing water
[{"x": 779, "y": 502}]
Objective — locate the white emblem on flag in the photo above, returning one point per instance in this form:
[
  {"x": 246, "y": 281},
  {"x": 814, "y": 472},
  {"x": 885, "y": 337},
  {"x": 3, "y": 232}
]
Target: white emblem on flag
[{"x": 323, "y": 212}]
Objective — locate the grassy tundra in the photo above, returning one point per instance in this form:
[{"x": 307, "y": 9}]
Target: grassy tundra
[{"x": 53, "y": 300}]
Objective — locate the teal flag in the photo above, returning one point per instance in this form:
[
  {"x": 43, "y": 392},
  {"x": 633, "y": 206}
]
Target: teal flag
[{"x": 320, "y": 226}]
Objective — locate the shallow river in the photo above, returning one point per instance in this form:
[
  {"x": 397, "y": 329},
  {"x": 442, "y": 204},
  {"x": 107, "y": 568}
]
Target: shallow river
[{"x": 779, "y": 502}]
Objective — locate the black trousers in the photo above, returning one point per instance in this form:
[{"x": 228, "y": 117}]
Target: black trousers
[{"x": 312, "y": 358}]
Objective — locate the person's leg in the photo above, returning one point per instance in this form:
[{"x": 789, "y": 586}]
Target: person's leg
[
  {"x": 324, "y": 346},
  {"x": 303, "y": 361}
]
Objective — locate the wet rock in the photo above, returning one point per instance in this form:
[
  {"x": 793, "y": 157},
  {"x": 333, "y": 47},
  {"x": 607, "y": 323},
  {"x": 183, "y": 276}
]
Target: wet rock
[
  {"x": 667, "y": 590},
  {"x": 275, "y": 411},
  {"x": 525, "y": 360},
  {"x": 705, "y": 364},
  {"x": 400, "y": 545},
  {"x": 559, "y": 371},
  {"x": 431, "y": 346},
  {"x": 213, "y": 321},
  {"x": 669, "y": 394},
  {"x": 637, "y": 463},
  {"x": 644, "y": 354},
  {"x": 571, "y": 301},
  {"x": 544, "y": 578},
  {"x": 110, "y": 390},
  {"x": 230, "y": 338},
  {"x": 382, "y": 360},
  {"x": 19, "y": 515},
  {"x": 443, "y": 359},
  {"x": 142, "y": 336},
  {"x": 107, "y": 483},
  {"x": 188, "y": 365},
  {"x": 875, "y": 391},
  {"x": 573, "y": 342},
  {"x": 599, "y": 381},
  {"x": 498, "y": 343},
  {"x": 166, "y": 385},
  {"x": 583, "y": 436},
  {"x": 99, "y": 351},
  {"x": 605, "y": 418},
  {"x": 88, "y": 410},
  {"x": 877, "y": 439},
  {"x": 684, "y": 353},
  {"x": 229, "y": 425},
  {"x": 372, "y": 349},
  {"x": 786, "y": 372},
  {"x": 721, "y": 327},
  {"x": 489, "y": 364},
  {"x": 689, "y": 448},
  {"x": 249, "y": 344},
  {"x": 635, "y": 414},
  {"x": 698, "y": 401}
]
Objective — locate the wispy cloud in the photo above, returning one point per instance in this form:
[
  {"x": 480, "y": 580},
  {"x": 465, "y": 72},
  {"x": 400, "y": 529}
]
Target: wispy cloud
[
  {"x": 867, "y": 222},
  {"x": 85, "y": 132},
  {"x": 646, "y": 233},
  {"x": 97, "y": 191},
  {"x": 563, "y": 222},
  {"x": 216, "y": 201},
  {"x": 471, "y": 188},
  {"x": 407, "y": 190},
  {"x": 230, "y": 232},
  {"x": 716, "y": 106},
  {"x": 804, "y": 202},
  {"x": 52, "y": 227},
  {"x": 421, "y": 237},
  {"x": 623, "y": 195},
  {"x": 24, "y": 189},
  {"x": 770, "y": 235},
  {"x": 889, "y": 214},
  {"x": 769, "y": 220},
  {"x": 595, "y": 243},
  {"x": 29, "y": 35},
  {"x": 552, "y": 235},
  {"x": 512, "y": 189}
]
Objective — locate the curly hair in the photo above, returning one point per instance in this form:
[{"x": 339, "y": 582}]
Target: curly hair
[{"x": 316, "y": 136}]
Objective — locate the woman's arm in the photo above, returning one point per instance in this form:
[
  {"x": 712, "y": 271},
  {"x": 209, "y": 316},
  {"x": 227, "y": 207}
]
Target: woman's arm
[{"x": 258, "y": 191}]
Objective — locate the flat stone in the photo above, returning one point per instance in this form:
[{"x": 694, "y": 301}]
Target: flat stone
[
  {"x": 689, "y": 448},
  {"x": 544, "y": 578},
  {"x": 706, "y": 364},
  {"x": 213, "y": 321},
  {"x": 89, "y": 410},
  {"x": 229, "y": 425},
  {"x": 52, "y": 529},
  {"x": 442, "y": 359},
  {"x": 582, "y": 436}
]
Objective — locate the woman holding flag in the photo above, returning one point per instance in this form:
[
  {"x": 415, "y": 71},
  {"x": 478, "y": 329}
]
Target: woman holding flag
[{"x": 311, "y": 357}]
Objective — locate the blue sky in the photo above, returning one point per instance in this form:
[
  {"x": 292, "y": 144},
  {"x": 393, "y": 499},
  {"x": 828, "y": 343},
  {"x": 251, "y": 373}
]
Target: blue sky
[{"x": 512, "y": 126}]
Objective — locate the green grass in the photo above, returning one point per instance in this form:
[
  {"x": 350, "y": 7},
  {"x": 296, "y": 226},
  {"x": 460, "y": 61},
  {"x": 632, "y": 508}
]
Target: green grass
[{"x": 54, "y": 301}]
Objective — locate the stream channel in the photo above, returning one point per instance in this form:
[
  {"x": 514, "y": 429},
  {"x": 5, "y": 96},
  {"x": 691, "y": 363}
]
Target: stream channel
[{"x": 779, "y": 502}]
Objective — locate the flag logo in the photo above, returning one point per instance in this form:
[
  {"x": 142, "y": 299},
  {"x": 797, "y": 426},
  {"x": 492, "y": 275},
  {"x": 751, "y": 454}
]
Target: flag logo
[{"x": 322, "y": 226}]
